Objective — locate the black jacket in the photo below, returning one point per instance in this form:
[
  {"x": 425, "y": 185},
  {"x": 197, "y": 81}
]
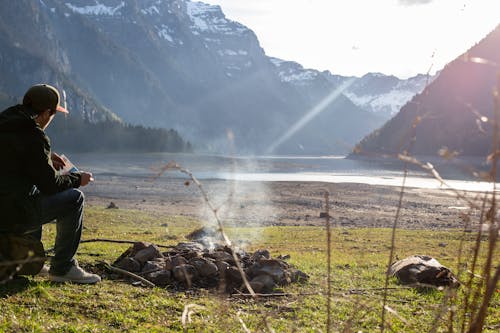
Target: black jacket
[{"x": 25, "y": 163}]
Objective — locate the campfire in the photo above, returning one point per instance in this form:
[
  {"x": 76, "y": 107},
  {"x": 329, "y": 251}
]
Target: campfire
[{"x": 197, "y": 265}]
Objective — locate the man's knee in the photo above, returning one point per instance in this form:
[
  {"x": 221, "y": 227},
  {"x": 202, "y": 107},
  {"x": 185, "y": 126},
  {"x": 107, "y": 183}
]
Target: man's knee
[{"x": 77, "y": 196}]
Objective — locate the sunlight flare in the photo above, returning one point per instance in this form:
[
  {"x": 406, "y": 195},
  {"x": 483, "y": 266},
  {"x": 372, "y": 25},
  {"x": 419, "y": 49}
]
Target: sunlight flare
[{"x": 310, "y": 115}]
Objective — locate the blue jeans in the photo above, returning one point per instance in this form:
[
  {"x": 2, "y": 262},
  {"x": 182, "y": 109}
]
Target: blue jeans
[{"x": 67, "y": 209}]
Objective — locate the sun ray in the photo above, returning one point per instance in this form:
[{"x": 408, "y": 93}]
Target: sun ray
[{"x": 310, "y": 115}]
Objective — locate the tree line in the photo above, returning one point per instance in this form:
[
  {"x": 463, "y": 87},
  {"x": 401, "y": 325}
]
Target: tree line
[{"x": 81, "y": 135}]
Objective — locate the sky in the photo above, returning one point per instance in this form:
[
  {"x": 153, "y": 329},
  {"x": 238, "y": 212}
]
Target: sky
[{"x": 354, "y": 37}]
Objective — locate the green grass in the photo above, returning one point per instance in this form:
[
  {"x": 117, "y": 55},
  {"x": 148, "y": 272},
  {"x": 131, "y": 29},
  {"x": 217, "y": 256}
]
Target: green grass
[{"x": 359, "y": 259}]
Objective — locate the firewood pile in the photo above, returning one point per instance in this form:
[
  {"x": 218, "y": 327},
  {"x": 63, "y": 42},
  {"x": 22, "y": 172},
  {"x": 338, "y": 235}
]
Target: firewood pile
[{"x": 194, "y": 265}]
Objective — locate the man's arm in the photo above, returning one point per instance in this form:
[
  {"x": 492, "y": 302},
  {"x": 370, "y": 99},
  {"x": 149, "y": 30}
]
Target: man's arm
[
  {"x": 39, "y": 169},
  {"x": 57, "y": 161}
]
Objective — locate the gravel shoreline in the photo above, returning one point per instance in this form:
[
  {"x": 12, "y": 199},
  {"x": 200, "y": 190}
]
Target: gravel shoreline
[{"x": 284, "y": 203}]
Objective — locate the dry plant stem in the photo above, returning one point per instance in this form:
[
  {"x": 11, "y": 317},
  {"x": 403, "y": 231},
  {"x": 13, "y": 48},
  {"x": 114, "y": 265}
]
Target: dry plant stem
[
  {"x": 450, "y": 320},
  {"x": 461, "y": 270},
  {"x": 393, "y": 244},
  {"x": 442, "y": 310},
  {"x": 396, "y": 314},
  {"x": 462, "y": 244},
  {"x": 243, "y": 326},
  {"x": 104, "y": 240},
  {"x": 360, "y": 307},
  {"x": 429, "y": 168},
  {"x": 358, "y": 313},
  {"x": 22, "y": 262},
  {"x": 491, "y": 281},
  {"x": 19, "y": 264},
  {"x": 186, "y": 315},
  {"x": 348, "y": 324},
  {"x": 275, "y": 294},
  {"x": 493, "y": 209},
  {"x": 340, "y": 292},
  {"x": 173, "y": 165},
  {"x": 268, "y": 326},
  {"x": 477, "y": 247},
  {"x": 329, "y": 263},
  {"x": 478, "y": 323},
  {"x": 129, "y": 274}
]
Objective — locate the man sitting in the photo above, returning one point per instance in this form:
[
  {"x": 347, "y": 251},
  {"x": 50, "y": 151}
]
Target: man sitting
[{"x": 31, "y": 191}]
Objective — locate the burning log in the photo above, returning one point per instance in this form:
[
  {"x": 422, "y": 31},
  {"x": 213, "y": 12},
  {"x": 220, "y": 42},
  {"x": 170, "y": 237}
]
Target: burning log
[{"x": 194, "y": 265}]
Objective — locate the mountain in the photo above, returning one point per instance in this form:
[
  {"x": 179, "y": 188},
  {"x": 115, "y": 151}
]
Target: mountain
[
  {"x": 384, "y": 95},
  {"x": 338, "y": 114},
  {"x": 174, "y": 64},
  {"x": 379, "y": 94},
  {"x": 22, "y": 65},
  {"x": 455, "y": 111}
]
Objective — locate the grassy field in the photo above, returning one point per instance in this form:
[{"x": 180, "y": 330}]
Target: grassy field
[{"x": 359, "y": 260}]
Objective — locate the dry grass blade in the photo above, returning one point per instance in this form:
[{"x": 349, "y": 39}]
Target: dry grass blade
[
  {"x": 491, "y": 280},
  {"x": 243, "y": 325},
  {"x": 120, "y": 241},
  {"x": 329, "y": 263},
  {"x": 186, "y": 314},
  {"x": 19, "y": 265},
  {"x": 129, "y": 274},
  {"x": 396, "y": 314},
  {"x": 268, "y": 326},
  {"x": 432, "y": 171},
  {"x": 442, "y": 311},
  {"x": 22, "y": 262},
  {"x": 393, "y": 245}
]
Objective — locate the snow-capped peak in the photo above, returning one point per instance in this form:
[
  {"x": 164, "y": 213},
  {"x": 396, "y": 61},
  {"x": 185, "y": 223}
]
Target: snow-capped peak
[
  {"x": 209, "y": 18},
  {"x": 292, "y": 72},
  {"x": 97, "y": 9}
]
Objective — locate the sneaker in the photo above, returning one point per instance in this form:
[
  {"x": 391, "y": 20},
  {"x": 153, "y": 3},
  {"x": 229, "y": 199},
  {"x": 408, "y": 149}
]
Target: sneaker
[
  {"x": 76, "y": 275},
  {"x": 44, "y": 272}
]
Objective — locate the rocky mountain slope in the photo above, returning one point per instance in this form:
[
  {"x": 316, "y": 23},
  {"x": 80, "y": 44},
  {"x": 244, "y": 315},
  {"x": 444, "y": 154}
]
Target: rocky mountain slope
[
  {"x": 175, "y": 64},
  {"x": 455, "y": 111}
]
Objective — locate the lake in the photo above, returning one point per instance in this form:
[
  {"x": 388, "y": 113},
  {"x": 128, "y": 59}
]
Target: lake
[{"x": 335, "y": 169}]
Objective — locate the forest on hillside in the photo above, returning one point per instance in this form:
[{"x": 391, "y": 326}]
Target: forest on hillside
[
  {"x": 80, "y": 135},
  {"x": 75, "y": 134}
]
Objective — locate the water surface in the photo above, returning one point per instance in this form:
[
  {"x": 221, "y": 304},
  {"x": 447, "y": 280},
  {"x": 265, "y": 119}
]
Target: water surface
[{"x": 333, "y": 169}]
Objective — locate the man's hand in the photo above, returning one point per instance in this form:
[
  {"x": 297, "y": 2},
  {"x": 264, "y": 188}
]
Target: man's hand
[
  {"x": 86, "y": 177},
  {"x": 57, "y": 161}
]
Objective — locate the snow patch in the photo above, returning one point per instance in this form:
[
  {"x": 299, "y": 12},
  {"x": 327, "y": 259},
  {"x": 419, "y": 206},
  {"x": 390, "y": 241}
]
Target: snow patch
[
  {"x": 390, "y": 102},
  {"x": 227, "y": 52},
  {"x": 98, "y": 9},
  {"x": 277, "y": 62},
  {"x": 209, "y": 18},
  {"x": 150, "y": 11},
  {"x": 197, "y": 12},
  {"x": 164, "y": 32},
  {"x": 213, "y": 40},
  {"x": 299, "y": 78}
]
